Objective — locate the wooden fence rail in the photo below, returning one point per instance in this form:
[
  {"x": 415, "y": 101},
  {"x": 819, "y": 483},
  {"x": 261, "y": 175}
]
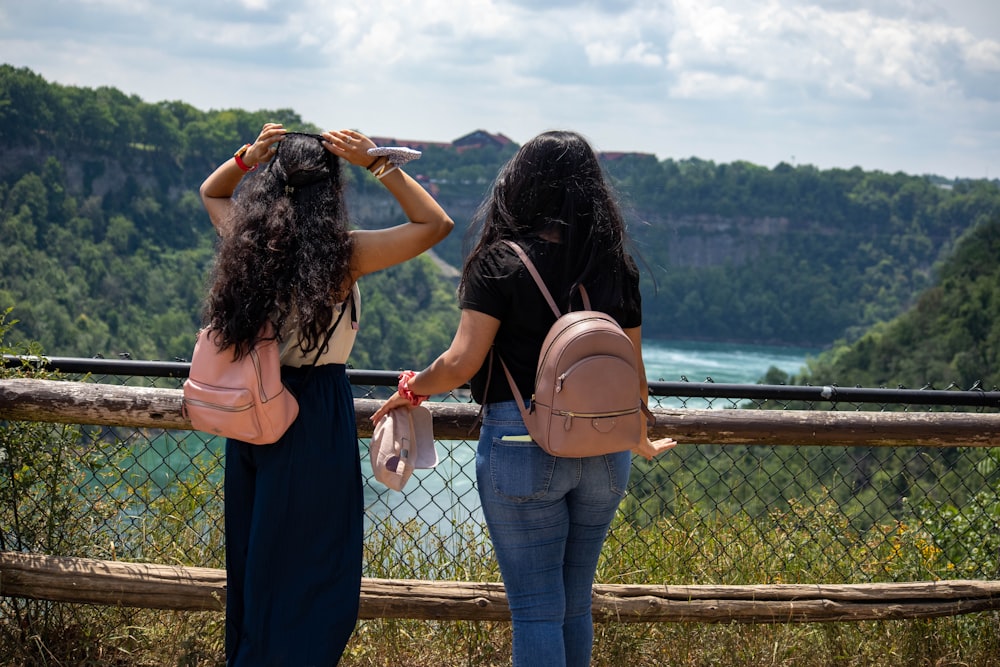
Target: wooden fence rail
[
  {"x": 143, "y": 407},
  {"x": 80, "y": 580}
]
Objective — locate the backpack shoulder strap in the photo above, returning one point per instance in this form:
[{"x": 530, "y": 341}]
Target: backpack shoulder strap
[
  {"x": 534, "y": 274},
  {"x": 555, "y": 309},
  {"x": 541, "y": 283},
  {"x": 513, "y": 388},
  {"x": 329, "y": 333}
]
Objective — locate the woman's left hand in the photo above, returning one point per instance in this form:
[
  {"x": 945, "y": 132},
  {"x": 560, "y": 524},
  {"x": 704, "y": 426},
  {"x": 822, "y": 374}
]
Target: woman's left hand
[
  {"x": 647, "y": 449},
  {"x": 350, "y": 145},
  {"x": 394, "y": 401},
  {"x": 264, "y": 146}
]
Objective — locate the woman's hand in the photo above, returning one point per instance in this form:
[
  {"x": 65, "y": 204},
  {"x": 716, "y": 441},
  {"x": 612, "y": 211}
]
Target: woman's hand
[
  {"x": 264, "y": 146},
  {"x": 350, "y": 145},
  {"x": 648, "y": 449},
  {"x": 394, "y": 401},
  {"x": 217, "y": 190}
]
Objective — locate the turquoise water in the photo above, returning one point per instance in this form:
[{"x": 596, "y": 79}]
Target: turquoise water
[
  {"x": 446, "y": 496},
  {"x": 671, "y": 361}
]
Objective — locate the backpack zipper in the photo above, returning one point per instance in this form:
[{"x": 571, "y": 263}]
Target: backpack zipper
[
  {"x": 217, "y": 406},
  {"x": 595, "y": 415}
]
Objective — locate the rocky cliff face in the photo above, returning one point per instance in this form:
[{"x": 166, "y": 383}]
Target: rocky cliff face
[
  {"x": 696, "y": 241},
  {"x": 92, "y": 174},
  {"x": 710, "y": 240}
]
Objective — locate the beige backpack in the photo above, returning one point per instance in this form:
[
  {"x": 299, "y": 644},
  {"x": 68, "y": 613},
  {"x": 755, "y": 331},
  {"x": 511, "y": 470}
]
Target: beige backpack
[{"x": 586, "y": 399}]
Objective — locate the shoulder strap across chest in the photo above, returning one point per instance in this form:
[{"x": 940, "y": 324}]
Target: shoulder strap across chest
[{"x": 541, "y": 283}]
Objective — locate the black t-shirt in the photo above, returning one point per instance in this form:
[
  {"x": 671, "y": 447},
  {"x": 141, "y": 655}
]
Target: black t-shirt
[{"x": 499, "y": 285}]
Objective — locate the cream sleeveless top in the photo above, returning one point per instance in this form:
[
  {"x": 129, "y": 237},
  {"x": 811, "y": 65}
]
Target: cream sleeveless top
[{"x": 341, "y": 342}]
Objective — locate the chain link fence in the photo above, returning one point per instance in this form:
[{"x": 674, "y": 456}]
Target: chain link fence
[{"x": 706, "y": 514}]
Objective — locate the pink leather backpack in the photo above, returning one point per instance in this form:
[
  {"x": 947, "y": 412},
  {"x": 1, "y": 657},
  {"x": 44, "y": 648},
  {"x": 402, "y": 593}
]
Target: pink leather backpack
[{"x": 586, "y": 399}]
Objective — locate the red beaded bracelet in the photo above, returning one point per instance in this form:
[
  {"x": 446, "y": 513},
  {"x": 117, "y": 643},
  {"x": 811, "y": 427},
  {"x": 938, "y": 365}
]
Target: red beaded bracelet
[{"x": 404, "y": 389}]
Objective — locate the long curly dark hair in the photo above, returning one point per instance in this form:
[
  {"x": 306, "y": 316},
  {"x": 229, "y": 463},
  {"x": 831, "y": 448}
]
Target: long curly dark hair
[
  {"x": 554, "y": 187},
  {"x": 288, "y": 251}
]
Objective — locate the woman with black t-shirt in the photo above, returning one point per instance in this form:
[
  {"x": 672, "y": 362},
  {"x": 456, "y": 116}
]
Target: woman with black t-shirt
[{"x": 547, "y": 516}]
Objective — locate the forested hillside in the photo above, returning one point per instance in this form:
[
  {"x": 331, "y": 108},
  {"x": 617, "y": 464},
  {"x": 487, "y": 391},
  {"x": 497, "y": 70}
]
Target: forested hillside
[
  {"x": 950, "y": 336},
  {"x": 106, "y": 247}
]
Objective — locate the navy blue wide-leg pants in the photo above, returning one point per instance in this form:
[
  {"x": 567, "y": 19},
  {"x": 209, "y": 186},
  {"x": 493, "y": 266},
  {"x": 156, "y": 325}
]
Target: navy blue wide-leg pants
[{"x": 294, "y": 524}]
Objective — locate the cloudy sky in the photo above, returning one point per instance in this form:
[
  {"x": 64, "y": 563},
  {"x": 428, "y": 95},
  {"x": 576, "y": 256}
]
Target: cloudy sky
[{"x": 893, "y": 85}]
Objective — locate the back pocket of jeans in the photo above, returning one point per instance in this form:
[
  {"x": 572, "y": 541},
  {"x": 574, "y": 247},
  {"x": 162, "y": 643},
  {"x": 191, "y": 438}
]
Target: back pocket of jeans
[{"x": 520, "y": 470}]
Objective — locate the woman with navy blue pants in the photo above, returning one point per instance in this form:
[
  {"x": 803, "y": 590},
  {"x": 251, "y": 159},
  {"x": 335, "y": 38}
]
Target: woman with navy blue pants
[
  {"x": 547, "y": 516},
  {"x": 294, "y": 508}
]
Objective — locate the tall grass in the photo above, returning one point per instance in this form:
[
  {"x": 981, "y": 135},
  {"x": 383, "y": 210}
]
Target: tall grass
[
  {"x": 678, "y": 550},
  {"x": 809, "y": 541},
  {"x": 674, "y": 552}
]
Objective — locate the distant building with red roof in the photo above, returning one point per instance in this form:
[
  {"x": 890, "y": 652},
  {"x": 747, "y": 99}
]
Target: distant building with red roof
[{"x": 481, "y": 139}]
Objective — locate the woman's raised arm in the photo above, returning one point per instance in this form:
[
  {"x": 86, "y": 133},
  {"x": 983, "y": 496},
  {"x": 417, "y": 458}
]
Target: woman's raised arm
[
  {"x": 376, "y": 249},
  {"x": 217, "y": 190}
]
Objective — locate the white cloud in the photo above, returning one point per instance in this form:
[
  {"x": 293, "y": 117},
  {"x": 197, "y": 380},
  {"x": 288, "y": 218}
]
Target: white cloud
[
  {"x": 890, "y": 84},
  {"x": 707, "y": 85},
  {"x": 608, "y": 53}
]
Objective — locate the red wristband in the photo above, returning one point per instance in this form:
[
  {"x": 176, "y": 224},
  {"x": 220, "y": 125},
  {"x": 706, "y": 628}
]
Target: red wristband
[
  {"x": 404, "y": 389},
  {"x": 238, "y": 156}
]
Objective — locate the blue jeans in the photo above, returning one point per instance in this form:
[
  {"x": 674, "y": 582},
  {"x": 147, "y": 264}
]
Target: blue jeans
[{"x": 547, "y": 517}]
